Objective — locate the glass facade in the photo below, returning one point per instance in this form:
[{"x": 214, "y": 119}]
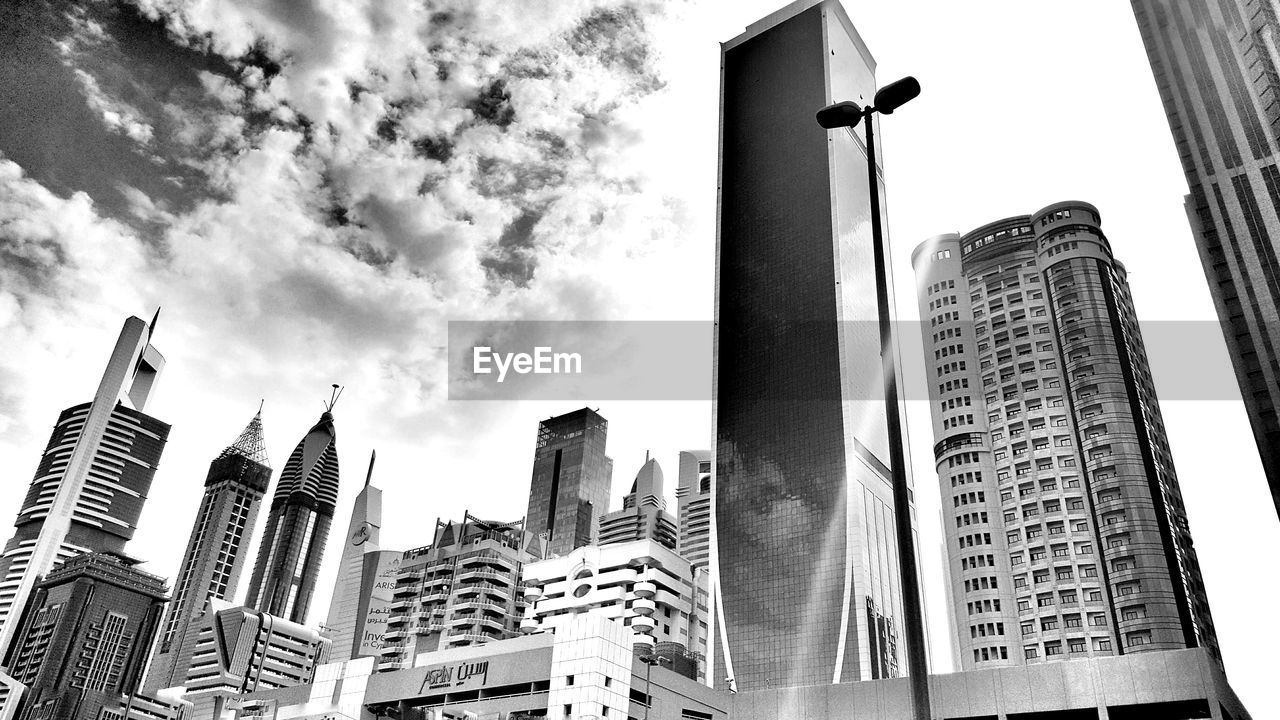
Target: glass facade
[
  {"x": 571, "y": 480},
  {"x": 806, "y": 560}
]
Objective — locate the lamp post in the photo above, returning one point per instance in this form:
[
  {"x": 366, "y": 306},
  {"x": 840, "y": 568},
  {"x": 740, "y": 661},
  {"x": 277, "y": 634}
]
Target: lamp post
[
  {"x": 848, "y": 114},
  {"x": 650, "y": 661}
]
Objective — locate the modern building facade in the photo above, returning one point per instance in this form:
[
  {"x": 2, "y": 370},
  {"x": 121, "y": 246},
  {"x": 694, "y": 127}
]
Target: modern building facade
[
  {"x": 642, "y": 585},
  {"x": 302, "y": 509},
  {"x": 693, "y": 499},
  {"x": 215, "y": 556},
  {"x": 586, "y": 669},
  {"x": 644, "y": 512},
  {"x": 806, "y": 556},
  {"x": 571, "y": 480},
  {"x": 1217, "y": 67},
  {"x": 240, "y": 650},
  {"x": 1153, "y": 686},
  {"x": 462, "y": 589},
  {"x": 364, "y": 583},
  {"x": 1066, "y": 532},
  {"x": 83, "y": 641},
  {"x": 93, "y": 478}
]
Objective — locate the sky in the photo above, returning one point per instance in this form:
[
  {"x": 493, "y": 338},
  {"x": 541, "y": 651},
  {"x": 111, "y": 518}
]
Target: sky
[{"x": 311, "y": 191}]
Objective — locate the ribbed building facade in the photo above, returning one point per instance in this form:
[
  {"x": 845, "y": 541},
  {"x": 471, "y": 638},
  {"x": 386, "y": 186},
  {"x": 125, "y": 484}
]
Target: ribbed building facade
[
  {"x": 91, "y": 483},
  {"x": 644, "y": 512},
  {"x": 462, "y": 589},
  {"x": 240, "y": 650},
  {"x": 1066, "y": 532},
  {"x": 572, "y": 475},
  {"x": 1217, "y": 67},
  {"x": 806, "y": 553},
  {"x": 693, "y": 500},
  {"x": 302, "y": 508},
  {"x": 84, "y": 638},
  {"x": 216, "y": 550}
]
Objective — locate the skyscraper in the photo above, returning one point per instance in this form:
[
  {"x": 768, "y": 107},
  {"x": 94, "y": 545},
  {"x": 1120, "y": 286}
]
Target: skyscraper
[
  {"x": 94, "y": 476},
  {"x": 216, "y": 552},
  {"x": 85, "y": 636},
  {"x": 302, "y": 508},
  {"x": 644, "y": 512},
  {"x": 693, "y": 497},
  {"x": 805, "y": 552},
  {"x": 1217, "y": 67},
  {"x": 364, "y": 584},
  {"x": 571, "y": 479},
  {"x": 1066, "y": 533}
]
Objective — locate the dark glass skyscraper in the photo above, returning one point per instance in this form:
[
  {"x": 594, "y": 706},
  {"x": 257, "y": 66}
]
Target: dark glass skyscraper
[
  {"x": 571, "y": 479},
  {"x": 1217, "y": 66},
  {"x": 215, "y": 555},
  {"x": 93, "y": 479},
  {"x": 302, "y": 508},
  {"x": 805, "y": 552}
]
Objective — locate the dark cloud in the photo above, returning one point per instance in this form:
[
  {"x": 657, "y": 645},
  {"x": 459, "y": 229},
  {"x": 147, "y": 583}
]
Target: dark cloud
[
  {"x": 512, "y": 261},
  {"x": 493, "y": 104}
]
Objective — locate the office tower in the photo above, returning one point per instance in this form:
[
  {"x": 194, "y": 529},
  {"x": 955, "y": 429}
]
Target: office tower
[
  {"x": 642, "y": 584},
  {"x": 362, "y": 593},
  {"x": 693, "y": 497},
  {"x": 571, "y": 480},
  {"x": 241, "y": 650},
  {"x": 84, "y": 637},
  {"x": 462, "y": 589},
  {"x": 298, "y": 524},
  {"x": 644, "y": 512},
  {"x": 93, "y": 478},
  {"x": 1217, "y": 67},
  {"x": 805, "y": 547},
  {"x": 1066, "y": 533},
  {"x": 215, "y": 555}
]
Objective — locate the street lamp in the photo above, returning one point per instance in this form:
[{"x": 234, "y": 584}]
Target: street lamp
[
  {"x": 650, "y": 661},
  {"x": 848, "y": 114}
]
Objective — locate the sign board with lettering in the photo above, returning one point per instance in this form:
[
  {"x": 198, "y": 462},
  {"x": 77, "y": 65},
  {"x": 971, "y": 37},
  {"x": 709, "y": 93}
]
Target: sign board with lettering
[{"x": 374, "y": 626}]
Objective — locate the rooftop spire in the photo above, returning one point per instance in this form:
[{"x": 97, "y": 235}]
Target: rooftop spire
[
  {"x": 373, "y": 455},
  {"x": 250, "y": 444},
  {"x": 333, "y": 398}
]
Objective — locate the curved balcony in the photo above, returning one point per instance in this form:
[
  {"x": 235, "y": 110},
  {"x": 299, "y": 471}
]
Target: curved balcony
[
  {"x": 532, "y": 593},
  {"x": 402, "y": 604},
  {"x": 439, "y": 596},
  {"x": 469, "y": 638},
  {"x": 645, "y": 589},
  {"x": 488, "y": 558},
  {"x": 483, "y": 574},
  {"x": 644, "y": 606},
  {"x": 478, "y": 604},
  {"x": 642, "y": 640},
  {"x": 394, "y": 635},
  {"x": 642, "y": 623},
  {"x": 398, "y": 619},
  {"x": 410, "y": 589},
  {"x": 529, "y": 625},
  {"x": 391, "y": 649}
]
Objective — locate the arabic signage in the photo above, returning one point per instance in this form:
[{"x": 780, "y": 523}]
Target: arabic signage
[
  {"x": 375, "y": 620},
  {"x": 457, "y": 675}
]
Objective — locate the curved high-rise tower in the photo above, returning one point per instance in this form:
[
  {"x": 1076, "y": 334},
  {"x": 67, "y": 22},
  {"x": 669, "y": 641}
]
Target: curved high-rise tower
[
  {"x": 1066, "y": 532},
  {"x": 302, "y": 508}
]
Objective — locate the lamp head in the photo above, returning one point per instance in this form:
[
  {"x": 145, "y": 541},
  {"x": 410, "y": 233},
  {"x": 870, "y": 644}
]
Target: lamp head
[
  {"x": 842, "y": 114},
  {"x": 896, "y": 94}
]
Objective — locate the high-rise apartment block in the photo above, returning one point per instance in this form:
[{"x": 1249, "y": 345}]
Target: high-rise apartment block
[
  {"x": 1066, "y": 532},
  {"x": 644, "y": 512},
  {"x": 84, "y": 638},
  {"x": 302, "y": 509},
  {"x": 808, "y": 575},
  {"x": 241, "y": 650},
  {"x": 462, "y": 589},
  {"x": 642, "y": 584},
  {"x": 693, "y": 498},
  {"x": 571, "y": 480},
  {"x": 1217, "y": 67},
  {"x": 93, "y": 479},
  {"x": 214, "y": 560}
]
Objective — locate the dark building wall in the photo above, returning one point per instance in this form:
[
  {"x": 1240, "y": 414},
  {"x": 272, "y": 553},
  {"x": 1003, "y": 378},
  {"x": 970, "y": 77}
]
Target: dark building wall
[{"x": 571, "y": 480}]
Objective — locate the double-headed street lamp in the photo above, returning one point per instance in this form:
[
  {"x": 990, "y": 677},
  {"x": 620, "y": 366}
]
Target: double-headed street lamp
[
  {"x": 649, "y": 661},
  {"x": 848, "y": 114}
]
